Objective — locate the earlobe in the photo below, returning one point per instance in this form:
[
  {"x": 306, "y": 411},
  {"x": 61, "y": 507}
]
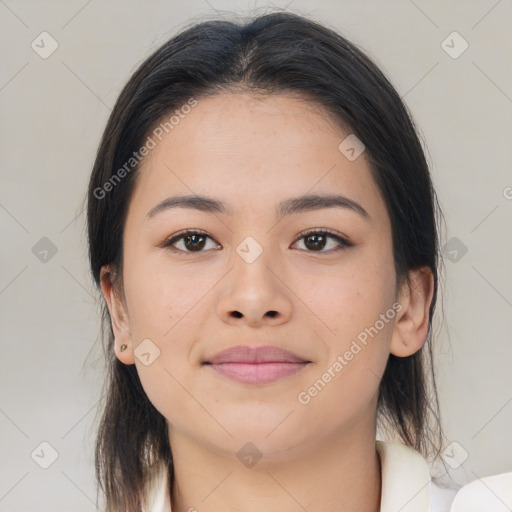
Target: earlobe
[
  {"x": 123, "y": 345},
  {"x": 412, "y": 323},
  {"x": 124, "y": 352}
]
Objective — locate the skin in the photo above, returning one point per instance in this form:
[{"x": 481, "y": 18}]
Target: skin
[{"x": 253, "y": 152}]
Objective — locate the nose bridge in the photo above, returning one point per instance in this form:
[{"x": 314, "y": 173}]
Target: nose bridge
[
  {"x": 253, "y": 264},
  {"x": 254, "y": 290}
]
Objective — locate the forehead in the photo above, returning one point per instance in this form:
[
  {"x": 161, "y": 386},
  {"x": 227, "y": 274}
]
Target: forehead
[{"x": 249, "y": 149}]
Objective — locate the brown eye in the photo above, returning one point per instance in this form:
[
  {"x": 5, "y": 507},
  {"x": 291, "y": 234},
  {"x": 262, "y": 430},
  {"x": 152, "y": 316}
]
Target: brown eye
[
  {"x": 316, "y": 241},
  {"x": 192, "y": 241}
]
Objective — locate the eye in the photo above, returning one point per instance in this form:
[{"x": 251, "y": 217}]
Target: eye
[
  {"x": 193, "y": 241},
  {"x": 317, "y": 240}
]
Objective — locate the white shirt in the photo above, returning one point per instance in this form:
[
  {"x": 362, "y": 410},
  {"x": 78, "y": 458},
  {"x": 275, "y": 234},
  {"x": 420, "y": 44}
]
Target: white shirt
[{"x": 406, "y": 487}]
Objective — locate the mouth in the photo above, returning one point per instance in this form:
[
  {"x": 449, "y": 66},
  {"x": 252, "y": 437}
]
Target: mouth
[
  {"x": 256, "y": 365},
  {"x": 246, "y": 354}
]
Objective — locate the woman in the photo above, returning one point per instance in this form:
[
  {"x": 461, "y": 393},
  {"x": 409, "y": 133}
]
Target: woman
[{"x": 262, "y": 225}]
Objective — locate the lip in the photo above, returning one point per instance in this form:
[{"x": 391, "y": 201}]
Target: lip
[
  {"x": 256, "y": 365},
  {"x": 255, "y": 355}
]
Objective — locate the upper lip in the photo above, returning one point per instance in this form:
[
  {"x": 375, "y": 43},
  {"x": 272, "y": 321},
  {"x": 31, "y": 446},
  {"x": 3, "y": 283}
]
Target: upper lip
[{"x": 253, "y": 354}]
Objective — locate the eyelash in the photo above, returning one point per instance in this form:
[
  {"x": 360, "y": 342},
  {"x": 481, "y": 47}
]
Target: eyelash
[{"x": 344, "y": 243}]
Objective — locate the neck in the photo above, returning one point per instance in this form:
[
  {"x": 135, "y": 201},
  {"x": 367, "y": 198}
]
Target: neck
[{"x": 341, "y": 475}]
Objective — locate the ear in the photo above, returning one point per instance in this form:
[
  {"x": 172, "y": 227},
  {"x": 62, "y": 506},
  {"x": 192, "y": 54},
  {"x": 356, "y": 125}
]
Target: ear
[
  {"x": 411, "y": 325},
  {"x": 118, "y": 316}
]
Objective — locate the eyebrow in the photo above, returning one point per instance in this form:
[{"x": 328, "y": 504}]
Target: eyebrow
[{"x": 288, "y": 207}]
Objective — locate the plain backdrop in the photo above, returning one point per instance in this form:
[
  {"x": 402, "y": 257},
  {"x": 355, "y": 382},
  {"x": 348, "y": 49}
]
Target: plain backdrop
[{"x": 53, "y": 111}]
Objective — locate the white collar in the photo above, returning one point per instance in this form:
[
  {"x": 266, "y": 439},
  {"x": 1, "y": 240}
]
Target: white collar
[
  {"x": 404, "y": 472},
  {"x": 405, "y": 479}
]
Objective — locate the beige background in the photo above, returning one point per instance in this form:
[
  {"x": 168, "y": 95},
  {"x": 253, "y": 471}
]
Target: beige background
[{"x": 53, "y": 113}]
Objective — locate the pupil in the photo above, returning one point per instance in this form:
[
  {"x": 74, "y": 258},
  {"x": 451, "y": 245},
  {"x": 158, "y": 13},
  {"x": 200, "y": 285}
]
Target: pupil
[
  {"x": 315, "y": 245},
  {"x": 191, "y": 237}
]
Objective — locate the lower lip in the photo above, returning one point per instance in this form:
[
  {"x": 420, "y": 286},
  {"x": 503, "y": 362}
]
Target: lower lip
[{"x": 257, "y": 373}]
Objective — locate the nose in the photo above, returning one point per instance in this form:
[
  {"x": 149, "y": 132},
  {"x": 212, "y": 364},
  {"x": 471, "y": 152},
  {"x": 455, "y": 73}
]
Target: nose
[{"x": 256, "y": 294}]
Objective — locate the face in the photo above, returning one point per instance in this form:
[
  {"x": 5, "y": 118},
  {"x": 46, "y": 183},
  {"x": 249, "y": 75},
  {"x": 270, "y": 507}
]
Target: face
[{"x": 254, "y": 278}]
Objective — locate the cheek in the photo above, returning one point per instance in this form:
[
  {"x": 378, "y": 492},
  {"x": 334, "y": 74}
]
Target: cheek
[
  {"x": 162, "y": 297},
  {"x": 346, "y": 381},
  {"x": 355, "y": 335},
  {"x": 167, "y": 306},
  {"x": 163, "y": 311},
  {"x": 353, "y": 298}
]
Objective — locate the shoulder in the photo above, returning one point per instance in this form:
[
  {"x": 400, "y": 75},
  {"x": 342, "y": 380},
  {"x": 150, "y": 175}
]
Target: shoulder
[
  {"x": 488, "y": 494},
  {"x": 407, "y": 486}
]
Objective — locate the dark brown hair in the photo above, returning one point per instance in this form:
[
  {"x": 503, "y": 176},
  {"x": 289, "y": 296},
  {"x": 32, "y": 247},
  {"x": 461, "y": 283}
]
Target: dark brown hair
[{"x": 273, "y": 53}]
